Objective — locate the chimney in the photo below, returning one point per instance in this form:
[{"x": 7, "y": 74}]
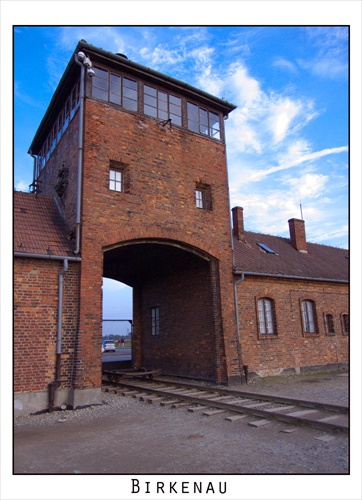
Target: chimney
[
  {"x": 297, "y": 234},
  {"x": 238, "y": 223}
]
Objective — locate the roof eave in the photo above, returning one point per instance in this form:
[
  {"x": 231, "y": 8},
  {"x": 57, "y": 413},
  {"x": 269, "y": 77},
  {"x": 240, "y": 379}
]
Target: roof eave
[
  {"x": 142, "y": 71},
  {"x": 287, "y": 276}
]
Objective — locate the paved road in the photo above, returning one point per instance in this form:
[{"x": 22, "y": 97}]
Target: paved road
[{"x": 121, "y": 354}]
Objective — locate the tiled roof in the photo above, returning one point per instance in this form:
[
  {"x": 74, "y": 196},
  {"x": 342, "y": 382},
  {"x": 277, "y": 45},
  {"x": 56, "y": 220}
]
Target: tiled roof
[
  {"x": 39, "y": 227},
  {"x": 321, "y": 261}
]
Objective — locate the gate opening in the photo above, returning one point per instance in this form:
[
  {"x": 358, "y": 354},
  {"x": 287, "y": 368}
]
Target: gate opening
[
  {"x": 117, "y": 323},
  {"x": 176, "y": 320}
]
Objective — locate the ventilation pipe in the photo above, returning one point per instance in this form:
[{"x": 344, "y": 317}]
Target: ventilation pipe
[{"x": 53, "y": 386}]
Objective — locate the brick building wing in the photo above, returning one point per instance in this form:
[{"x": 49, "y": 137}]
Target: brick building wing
[{"x": 130, "y": 183}]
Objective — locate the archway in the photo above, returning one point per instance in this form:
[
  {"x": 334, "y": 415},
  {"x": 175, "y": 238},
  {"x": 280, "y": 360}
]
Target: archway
[{"x": 177, "y": 323}]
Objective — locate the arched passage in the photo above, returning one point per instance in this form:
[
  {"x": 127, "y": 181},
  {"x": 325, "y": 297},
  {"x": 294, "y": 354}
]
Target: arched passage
[{"x": 177, "y": 323}]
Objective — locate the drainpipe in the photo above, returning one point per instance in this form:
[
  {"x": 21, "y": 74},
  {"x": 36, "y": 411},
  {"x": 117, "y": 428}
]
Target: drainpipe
[
  {"x": 80, "y": 155},
  {"x": 55, "y": 385},
  {"x": 242, "y": 366},
  {"x": 85, "y": 66}
]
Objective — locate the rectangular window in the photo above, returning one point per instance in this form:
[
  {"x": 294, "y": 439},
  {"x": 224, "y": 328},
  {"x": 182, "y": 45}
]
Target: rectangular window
[
  {"x": 116, "y": 180},
  {"x": 203, "y": 121},
  {"x": 203, "y": 196},
  {"x": 308, "y": 308},
  {"x": 345, "y": 324},
  {"x": 329, "y": 323},
  {"x": 266, "y": 320},
  {"x": 200, "y": 198},
  {"x": 162, "y": 105},
  {"x": 155, "y": 318},
  {"x": 115, "y": 88}
]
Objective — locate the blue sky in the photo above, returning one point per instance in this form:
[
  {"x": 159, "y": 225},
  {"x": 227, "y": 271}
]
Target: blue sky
[
  {"x": 288, "y": 135},
  {"x": 287, "y": 141}
]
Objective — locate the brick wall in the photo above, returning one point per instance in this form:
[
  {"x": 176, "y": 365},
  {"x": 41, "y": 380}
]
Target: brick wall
[
  {"x": 163, "y": 166},
  {"x": 186, "y": 344},
  {"x": 65, "y": 153},
  {"x": 35, "y": 322},
  {"x": 291, "y": 348}
]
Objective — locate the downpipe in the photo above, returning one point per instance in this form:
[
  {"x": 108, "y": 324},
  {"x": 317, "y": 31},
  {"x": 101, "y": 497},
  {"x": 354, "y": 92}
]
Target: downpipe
[
  {"x": 53, "y": 386},
  {"x": 86, "y": 67},
  {"x": 243, "y": 368},
  {"x": 80, "y": 156}
]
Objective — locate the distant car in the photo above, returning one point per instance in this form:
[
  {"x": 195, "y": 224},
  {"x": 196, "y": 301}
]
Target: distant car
[{"x": 108, "y": 345}]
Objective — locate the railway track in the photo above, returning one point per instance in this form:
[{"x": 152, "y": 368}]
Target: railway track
[{"x": 234, "y": 403}]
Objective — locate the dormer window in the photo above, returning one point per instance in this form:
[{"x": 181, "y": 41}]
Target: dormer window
[{"x": 266, "y": 249}]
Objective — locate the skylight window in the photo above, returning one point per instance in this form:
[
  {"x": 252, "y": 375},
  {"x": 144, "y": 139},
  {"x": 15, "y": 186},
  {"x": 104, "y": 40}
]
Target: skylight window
[{"x": 266, "y": 248}]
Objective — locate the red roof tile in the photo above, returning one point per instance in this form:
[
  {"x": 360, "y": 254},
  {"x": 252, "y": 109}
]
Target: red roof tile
[
  {"x": 39, "y": 227},
  {"x": 322, "y": 262}
]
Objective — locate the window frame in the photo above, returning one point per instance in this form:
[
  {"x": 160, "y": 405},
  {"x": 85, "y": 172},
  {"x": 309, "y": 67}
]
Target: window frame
[
  {"x": 203, "y": 196},
  {"x": 199, "y": 120},
  {"x": 200, "y": 198},
  {"x": 329, "y": 324},
  {"x": 209, "y": 121},
  {"x": 125, "y": 180},
  {"x": 263, "y": 321},
  {"x": 115, "y": 181},
  {"x": 111, "y": 87},
  {"x": 155, "y": 321},
  {"x": 159, "y": 102},
  {"x": 345, "y": 331},
  {"x": 59, "y": 126},
  {"x": 309, "y": 317}
]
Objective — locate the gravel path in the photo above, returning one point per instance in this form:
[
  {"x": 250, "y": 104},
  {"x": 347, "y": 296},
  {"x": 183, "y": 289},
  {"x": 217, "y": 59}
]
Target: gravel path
[
  {"x": 134, "y": 439},
  {"x": 126, "y": 436}
]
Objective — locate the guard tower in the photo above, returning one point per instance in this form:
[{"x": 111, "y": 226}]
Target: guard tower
[{"x": 136, "y": 163}]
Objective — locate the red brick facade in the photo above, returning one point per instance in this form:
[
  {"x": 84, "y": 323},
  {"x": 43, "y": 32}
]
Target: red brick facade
[
  {"x": 154, "y": 237},
  {"x": 291, "y": 349},
  {"x": 35, "y": 327}
]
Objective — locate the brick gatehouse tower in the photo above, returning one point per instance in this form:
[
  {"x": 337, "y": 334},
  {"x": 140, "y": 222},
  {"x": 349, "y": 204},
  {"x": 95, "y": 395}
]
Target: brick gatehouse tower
[{"x": 135, "y": 163}]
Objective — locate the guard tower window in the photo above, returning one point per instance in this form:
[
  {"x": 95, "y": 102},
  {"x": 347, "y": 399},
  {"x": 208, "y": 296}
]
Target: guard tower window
[
  {"x": 200, "y": 198},
  {"x": 202, "y": 121},
  {"x": 115, "y": 88},
  {"x": 60, "y": 125},
  {"x": 116, "y": 180},
  {"x": 203, "y": 197},
  {"x": 162, "y": 105},
  {"x": 155, "y": 318}
]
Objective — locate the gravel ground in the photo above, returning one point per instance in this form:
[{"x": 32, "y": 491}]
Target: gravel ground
[
  {"x": 100, "y": 450},
  {"x": 126, "y": 436}
]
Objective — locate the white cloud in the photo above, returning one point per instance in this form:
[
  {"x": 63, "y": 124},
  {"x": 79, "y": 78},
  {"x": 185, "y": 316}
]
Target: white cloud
[
  {"x": 245, "y": 88},
  {"x": 162, "y": 56},
  {"x": 22, "y": 186},
  {"x": 331, "y": 57},
  {"x": 258, "y": 175},
  {"x": 309, "y": 185},
  {"x": 282, "y": 115},
  {"x": 285, "y": 65}
]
